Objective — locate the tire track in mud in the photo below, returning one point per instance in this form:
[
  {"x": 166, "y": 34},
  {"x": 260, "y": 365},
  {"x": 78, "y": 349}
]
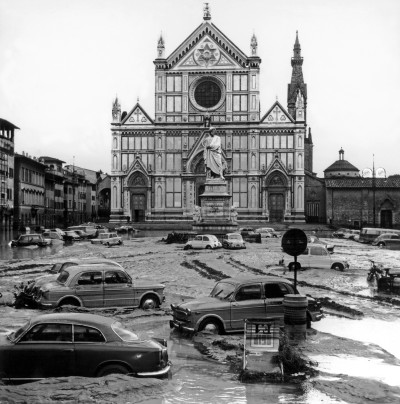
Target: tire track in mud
[
  {"x": 204, "y": 270},
  {"x": 243, "y": 267}
]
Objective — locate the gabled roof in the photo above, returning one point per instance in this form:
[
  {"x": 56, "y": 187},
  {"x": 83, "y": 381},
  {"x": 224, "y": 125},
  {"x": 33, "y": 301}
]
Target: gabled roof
[
  {"x": 277, "y": 114},
  {"x": 341, "y": 165},
  {"x": 207, "y": 29},
  {"x": 7, "y": 125},
  {"x": 137, "y": 116}
]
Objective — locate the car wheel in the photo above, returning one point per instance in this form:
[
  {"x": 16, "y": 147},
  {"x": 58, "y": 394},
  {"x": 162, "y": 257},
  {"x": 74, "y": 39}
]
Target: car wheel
[
  {"x": 208, "y": 247},
  {"x": 149, "y": 302},
  {"x": 380, "y": 245},
  {"x": 112, "y": 369},
  {"x": 68, "y": 302},
  {"x": 337, "y": 266},
  {"x": 211, "y": 326},
  {"x": 187, "y": 247}
]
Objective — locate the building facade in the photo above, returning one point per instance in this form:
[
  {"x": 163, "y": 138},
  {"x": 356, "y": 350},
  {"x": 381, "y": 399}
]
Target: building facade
[
  {"x": 157, "y": 163},
  {"x": 7, "y": 130}
]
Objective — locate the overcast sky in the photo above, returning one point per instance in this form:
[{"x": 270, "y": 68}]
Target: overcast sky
[{"x": 62, "y": 62}]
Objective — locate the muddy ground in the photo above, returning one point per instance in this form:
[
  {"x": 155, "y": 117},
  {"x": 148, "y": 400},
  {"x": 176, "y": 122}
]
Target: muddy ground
[{"x": 339, "y": 362}]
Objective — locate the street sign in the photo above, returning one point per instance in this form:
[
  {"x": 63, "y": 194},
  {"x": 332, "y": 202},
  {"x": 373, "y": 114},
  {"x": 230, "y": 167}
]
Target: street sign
[{"x": 294, "y": 242}]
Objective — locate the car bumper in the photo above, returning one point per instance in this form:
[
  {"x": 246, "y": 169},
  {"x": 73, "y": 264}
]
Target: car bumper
[
  {"x": 180, "y": 326},
  {"x": 157, "y": 373}
]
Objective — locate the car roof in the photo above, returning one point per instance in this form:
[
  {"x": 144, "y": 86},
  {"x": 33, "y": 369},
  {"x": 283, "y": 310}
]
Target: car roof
[
  {"x": 90, "y": 319},
  {"x": 88, "y": 261},
  {"x": 88, "y": 268},
  {"x": 233, "y": 234},
  {"x": 266, "y": 278}
]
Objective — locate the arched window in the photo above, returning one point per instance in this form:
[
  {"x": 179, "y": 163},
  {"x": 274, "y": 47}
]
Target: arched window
[
  {"x": 300, "y": 141},
  {"x": 253, "y": 142},
  {"x": 115, "y": 162},
  {"x": 300, "y": 161},
  {"x": 114, "y": 194},
  {"x": 253, "y": 161},
  {"x": 253, "y": 197},
  {"x": 159, "y": 143},
  {"x": 115, "y": 143},
  {"x": 299, "y": 197},
  {"x": 159, "y": 197},
  {"x": 159, "y": 162}
]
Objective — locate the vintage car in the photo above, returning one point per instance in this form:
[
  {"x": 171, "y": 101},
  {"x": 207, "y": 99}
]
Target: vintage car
[
  {"x": 88, "y": 229},
  {"x": 71, "y": 235},
  {"x": 389, "y": 240},
  {"x": 100, "y": 285},
  {"x": 25, "y": 240},
  {"x": 315, "y": 256},
  {"x": 233, "y": 300},
  {"x": 53, "y": 235},
  {"x": 207, "y": 241},
  {"x": 312, "y": 239},
  {"x": 26, "y": 291},
  {"x": 267, "y": 232},
  {"x": 233, "y": 241},
  {"x": 107, "y": 239},
  {"x": 78, "y": 344},
  {"x": 83, "y": 235}
]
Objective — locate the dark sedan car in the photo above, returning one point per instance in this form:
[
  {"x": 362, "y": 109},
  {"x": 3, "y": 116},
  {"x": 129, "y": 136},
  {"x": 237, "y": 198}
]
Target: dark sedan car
[
  {"x": 26, "y": 240},
  {"x": 71, "y": 236},
  {"x": 235, "y": 299},
  {"x": 77, "y": 344}
]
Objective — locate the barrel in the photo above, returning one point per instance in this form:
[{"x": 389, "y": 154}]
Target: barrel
[{"x": 295, "y": 316}]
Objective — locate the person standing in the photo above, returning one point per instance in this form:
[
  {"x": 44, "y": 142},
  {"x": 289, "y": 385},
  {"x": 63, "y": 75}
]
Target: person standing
[{"x": 213, "y": 155}]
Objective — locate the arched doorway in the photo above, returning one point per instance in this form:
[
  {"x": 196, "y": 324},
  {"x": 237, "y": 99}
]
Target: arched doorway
[
  {"x": 276, "y": 184},
  {"x": 387, "y": 214},
  {"x": 138, "y": 192}
]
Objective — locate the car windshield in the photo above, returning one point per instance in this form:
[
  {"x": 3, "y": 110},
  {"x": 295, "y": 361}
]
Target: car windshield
[
  {"x": 123, "y": 333},
  {"x": 235, "y": 237},
  {"x": 104, "y": 235},
  {"x": 222, "y": 290},
  {"x": 62, "y": 278},
  {"x": 16, "y": 334}
]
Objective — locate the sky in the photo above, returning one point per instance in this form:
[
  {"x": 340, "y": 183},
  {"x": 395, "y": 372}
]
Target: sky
[{"x": 63, "y": 62}]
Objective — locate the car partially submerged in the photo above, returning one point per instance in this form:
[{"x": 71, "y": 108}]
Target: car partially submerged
[
  {"x": 27, "y": 240},
  {"x": 233, "y": 241},
  {"x": 107, "y": 239},
  {"x": 99, "y": 285},
  {"x": 235, "y": 299},
  {"x": 77, "y": 344}
]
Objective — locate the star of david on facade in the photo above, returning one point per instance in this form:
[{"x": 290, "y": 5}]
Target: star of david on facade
[{"x": 206, "y": 55}]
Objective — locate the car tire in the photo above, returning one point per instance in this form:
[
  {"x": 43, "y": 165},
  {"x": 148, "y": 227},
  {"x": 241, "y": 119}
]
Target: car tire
[
  {"x": 380, "y": 245},
  {"x": 108, "y": 244},
  {"x": 187, "y": 247},
  {"x": 337, "y": 266},
  {"x": 112, "y": 369},
  {"x": 211, "y": 326},
  {"x": 208, "y": 247},
  {"x": 69, "y": 302},
  {"x": 149, "y": 302}
]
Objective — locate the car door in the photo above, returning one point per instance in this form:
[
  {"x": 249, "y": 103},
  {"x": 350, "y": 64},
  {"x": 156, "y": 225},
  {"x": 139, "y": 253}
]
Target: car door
[
  {"x": 274, "y": 294},
  {"x": 118, "y": 289},
  {"x": 90, "y": 352},
  {"x": 197, "y": 242},
  {"x": 46, "y": 350},
  {"x": 247, "y": 302},
  {"x": 89, "y": 288},
  {"x": 319, "y": 257}
]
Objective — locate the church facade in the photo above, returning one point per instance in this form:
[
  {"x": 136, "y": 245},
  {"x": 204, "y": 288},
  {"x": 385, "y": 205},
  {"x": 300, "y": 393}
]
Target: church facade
[{"x": 158, "y": 171}]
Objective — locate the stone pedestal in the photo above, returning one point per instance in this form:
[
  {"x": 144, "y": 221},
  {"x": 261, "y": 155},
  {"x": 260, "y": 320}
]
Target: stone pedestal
[{"x": 216, "y": 215}]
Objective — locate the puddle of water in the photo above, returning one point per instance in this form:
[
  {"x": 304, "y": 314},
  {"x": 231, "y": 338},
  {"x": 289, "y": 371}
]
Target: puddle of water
[
  {"x": 367, "y": 368},
  {"x": 370, "y": 330}
]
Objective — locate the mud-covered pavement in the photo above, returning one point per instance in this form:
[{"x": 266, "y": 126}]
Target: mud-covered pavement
[{"x": 356, "y": 344}]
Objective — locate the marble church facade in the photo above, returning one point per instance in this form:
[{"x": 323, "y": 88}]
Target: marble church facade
[{"x": 157, "y": 171}]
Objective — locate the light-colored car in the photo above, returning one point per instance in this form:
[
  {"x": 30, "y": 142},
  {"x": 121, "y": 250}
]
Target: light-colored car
[
  {"x": 235, "y": 299},
  {"x": 107, "y": 239},
  {"x": 387, "y": 240},
  {"x": 207, "y": 241},
  {"x": 53, "y": 235},
  {"x": 98, "y": 285},
  {"x": 267, "y": 232},
  {"x": 233, "y": 240},
  {"x": 315, "y": 256},
  {"x": 312, "y": 239},
  {"x": 352, "y": 234}
]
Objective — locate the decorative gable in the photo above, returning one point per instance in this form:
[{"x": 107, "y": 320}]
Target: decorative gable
[
  {"x": 137, "y": 116},
  {"x": 207, "y": 47},
  {"x": 137, "y": 167},
  {"x": 277, "y": 115},
  {"x": 207, "y": 54}
]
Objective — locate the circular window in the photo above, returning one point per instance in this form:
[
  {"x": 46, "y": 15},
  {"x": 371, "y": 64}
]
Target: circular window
[{"x": 207, "y": 94}]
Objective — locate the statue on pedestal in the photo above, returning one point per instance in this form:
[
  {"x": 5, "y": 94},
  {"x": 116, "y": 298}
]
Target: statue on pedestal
[
  {"x": 212, "y": 155},
  {"x": 234, "y": 214},
  {"x": 197, "y": 214}
]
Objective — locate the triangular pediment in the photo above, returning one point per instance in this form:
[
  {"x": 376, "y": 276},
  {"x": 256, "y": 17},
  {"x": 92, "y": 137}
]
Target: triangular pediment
[
  {"x": 277, "y": 115},
  {"x": 207, "y": 47},
  {"x": 136, "y": 166},
  {"x": 137, "y": 116},
  {"x": 276, "y": 165},
  {"x": 207, "y": 54}
]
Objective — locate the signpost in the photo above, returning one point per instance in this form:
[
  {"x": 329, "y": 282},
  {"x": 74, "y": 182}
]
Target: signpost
[{"x": 294, "y": 242}]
